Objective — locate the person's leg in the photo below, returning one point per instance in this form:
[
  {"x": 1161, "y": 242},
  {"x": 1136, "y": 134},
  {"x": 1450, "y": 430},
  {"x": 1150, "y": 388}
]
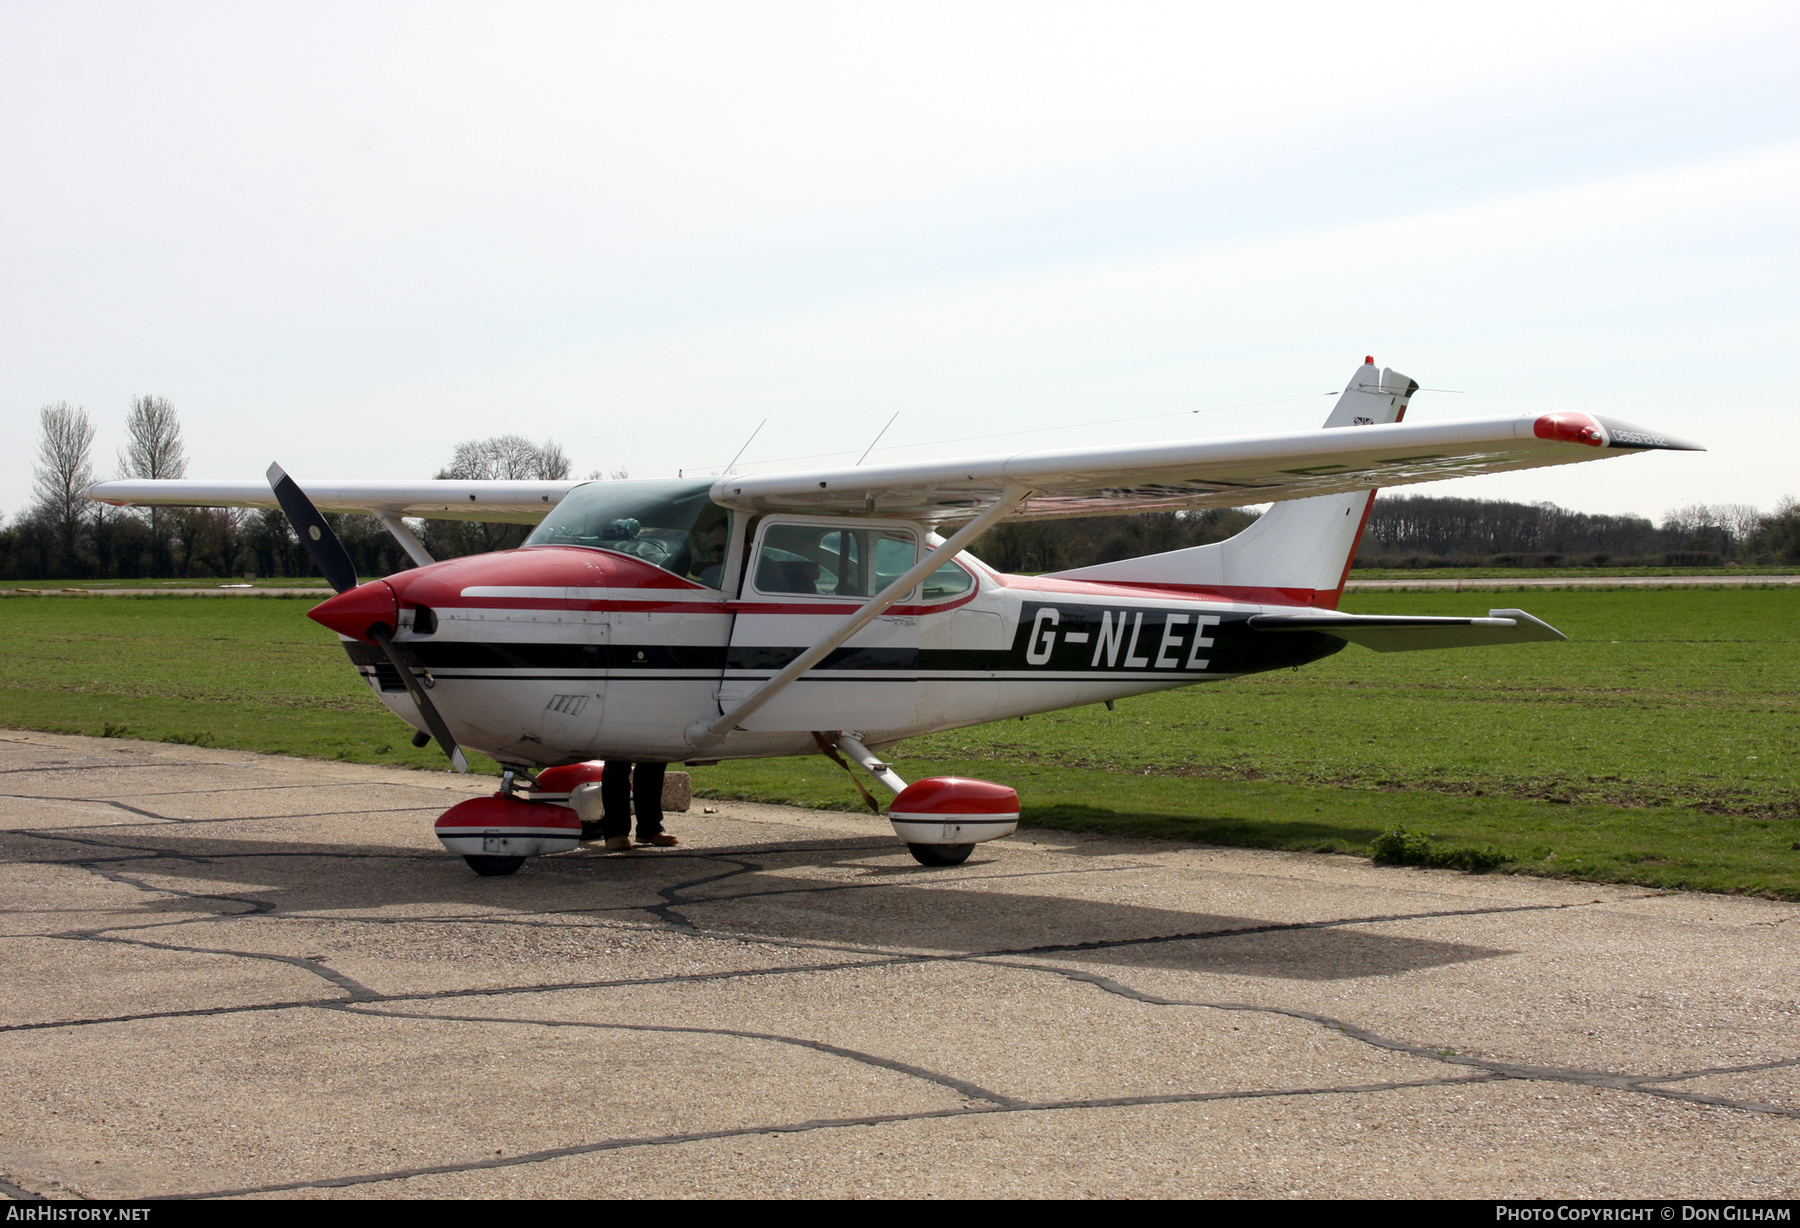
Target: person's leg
[
  {"x": 646, "y": 791},
  {"x": 615, "y": 801}
]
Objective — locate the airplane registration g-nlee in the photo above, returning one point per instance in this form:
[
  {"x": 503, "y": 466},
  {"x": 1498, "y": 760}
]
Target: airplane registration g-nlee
[{"x": 797, "y": 613}]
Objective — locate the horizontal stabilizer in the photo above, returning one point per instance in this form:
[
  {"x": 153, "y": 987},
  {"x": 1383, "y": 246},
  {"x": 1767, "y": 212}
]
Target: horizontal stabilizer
[{"x": 1403, "y": 633}]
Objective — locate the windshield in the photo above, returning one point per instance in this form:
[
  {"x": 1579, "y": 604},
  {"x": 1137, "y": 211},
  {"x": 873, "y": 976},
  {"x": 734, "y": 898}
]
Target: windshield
[{"x": 671, "y": 524}]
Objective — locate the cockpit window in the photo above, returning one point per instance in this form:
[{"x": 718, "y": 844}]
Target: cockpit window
[{"x": 673, "y": 525}]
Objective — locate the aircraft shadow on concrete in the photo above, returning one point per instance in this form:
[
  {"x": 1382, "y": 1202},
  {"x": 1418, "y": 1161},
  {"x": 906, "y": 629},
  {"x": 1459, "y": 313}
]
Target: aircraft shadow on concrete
[{"x": 881, "y": 906}]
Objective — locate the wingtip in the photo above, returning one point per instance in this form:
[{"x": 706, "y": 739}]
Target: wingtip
[{"x": 1625, "y": 435}]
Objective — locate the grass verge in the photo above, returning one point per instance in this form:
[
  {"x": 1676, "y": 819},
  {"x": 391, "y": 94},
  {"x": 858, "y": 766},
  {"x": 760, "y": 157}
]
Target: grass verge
[{"x": 1655, "y": 747}]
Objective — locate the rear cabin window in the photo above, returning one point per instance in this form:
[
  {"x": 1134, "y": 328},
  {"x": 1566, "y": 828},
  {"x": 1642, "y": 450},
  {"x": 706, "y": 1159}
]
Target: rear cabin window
[
  {"x": 832, "y": 560},
  {"x": 946, "y": 582},
  {"x": 673, "y": 525}
]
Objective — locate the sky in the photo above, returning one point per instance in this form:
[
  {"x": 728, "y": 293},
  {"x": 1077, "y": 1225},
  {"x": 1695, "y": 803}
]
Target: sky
[{"x": 348, "y": 236}]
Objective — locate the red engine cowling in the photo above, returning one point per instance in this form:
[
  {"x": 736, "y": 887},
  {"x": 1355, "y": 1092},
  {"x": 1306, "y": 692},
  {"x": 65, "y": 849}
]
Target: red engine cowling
[
  {"x": 954, "y": 810},
  {"x": 502, "y": 826}
]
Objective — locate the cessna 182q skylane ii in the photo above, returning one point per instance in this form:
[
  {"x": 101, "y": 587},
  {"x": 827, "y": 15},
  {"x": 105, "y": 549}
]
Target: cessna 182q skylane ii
[{"x": 787, "y": 614}]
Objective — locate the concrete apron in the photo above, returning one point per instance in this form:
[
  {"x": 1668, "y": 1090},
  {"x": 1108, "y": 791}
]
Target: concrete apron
[{"x": 233, "y": 973}]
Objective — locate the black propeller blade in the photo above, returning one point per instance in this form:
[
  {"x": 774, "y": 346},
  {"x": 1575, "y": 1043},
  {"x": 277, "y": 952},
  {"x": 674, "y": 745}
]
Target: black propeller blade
[
  {"x": 327, "y": 552},
  {"x": 420, "y": 699},
  {"x": 332, "y": 559}
]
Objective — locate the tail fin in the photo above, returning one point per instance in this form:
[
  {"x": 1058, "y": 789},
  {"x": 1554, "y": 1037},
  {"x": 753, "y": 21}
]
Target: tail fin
[{"x": 1297, "y": 553}]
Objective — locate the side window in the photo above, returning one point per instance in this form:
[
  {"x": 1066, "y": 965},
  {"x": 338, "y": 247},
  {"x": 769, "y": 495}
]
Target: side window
[
  {"x": 831, "y": 560},
  {"x": 947, "y": 581},
  {"x": 893, "y": 553}
]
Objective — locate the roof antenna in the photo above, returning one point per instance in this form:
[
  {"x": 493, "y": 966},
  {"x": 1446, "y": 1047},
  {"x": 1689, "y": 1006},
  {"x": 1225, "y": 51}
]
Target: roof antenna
[
  {"x": 876, "y": 440},
  {"x": 747, "y": 442}
]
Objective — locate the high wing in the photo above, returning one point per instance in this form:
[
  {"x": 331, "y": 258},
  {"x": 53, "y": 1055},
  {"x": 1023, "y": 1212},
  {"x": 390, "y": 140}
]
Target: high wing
[
  {"x": 517, "y": 502},
  {"x": 1227, "y": 472}
]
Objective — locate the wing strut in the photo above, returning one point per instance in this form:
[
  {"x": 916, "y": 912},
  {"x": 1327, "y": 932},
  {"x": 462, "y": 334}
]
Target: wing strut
[
  {"x": 415, "y": 549},
  {"x": 703, "y": 735}
]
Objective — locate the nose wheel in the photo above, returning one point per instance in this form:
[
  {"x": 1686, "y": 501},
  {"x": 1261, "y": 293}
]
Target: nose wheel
[
  {"x": 940, "y": 854},
  {"x": 494, "y": 867},
  {"x": 496, "y": 834}
]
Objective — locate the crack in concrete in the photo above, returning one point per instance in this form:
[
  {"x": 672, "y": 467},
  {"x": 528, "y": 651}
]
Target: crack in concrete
[
  {"x": 1492, "y": 1068},
  {"x": 148, "y": 852},
  {"x": 910, "y": 881},
  {"x": 92, "y": 764},
  {"x": 1497, "y": 1069},
  {"x": 88, "y": 801},
  {"x": 1751, "y": 1068},
  {"x": 357, "y": 992},
  {"x": 254, "y": 906},
  {"x": 19, "y": 1193},
  {"x": 960, "y": 1086},
  {"x": 253, "y": 818},
  {"x": 835, "y": 1123}
]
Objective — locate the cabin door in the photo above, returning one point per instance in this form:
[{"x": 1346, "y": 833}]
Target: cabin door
[{"x": 806, "y": 575}]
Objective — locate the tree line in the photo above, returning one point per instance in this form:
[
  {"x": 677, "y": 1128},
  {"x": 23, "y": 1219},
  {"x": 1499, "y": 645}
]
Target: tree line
[
  {"x": 63, "y": 536},
  {"x": 1407, "y": 531},
  {"x": 1423, "y": 531}
]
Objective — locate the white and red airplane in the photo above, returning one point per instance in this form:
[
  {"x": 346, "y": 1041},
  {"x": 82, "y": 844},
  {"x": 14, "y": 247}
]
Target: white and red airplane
[{"x": 787, "y": 614}]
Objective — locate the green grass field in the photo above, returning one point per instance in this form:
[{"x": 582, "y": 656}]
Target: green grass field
[
  {"x": 1656, "y": 747},
  {"x": 94, "y": 586},
  {"x": 1361, "y": 573},
  {"x": 1564, "y": 573}
]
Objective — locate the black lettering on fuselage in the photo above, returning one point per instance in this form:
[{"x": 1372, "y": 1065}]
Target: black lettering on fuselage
[
  {"x": 1111, "y": 639},
  {"x": 1065, "y": 638},
  {"x": 1089, "y": 638}
]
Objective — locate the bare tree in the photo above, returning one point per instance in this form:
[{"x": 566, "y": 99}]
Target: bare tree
[
  {"x": 63, "y": 472},
  {"x": 502, "y": 457},
  {"x": 507, "y": 457},
  {"x": 153, "y": 449},
  {"x": 1778, "y": 536},
  {"x": 1741, "y": 520}
]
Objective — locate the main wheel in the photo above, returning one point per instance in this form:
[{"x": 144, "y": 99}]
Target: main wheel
[
  {"x": 940, "y": 854},
  {"x": 494, "y": 867}
]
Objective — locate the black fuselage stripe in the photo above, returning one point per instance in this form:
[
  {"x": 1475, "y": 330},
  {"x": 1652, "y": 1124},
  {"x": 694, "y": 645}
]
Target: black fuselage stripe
[{"x": 1071, "y": 648}]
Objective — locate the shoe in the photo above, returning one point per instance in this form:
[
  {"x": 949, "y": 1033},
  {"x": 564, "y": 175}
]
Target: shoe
[
  {"x": 661, "y": 840},
  {"x": 618, "y": 844},
  {"x": 590, "y": 832}
]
